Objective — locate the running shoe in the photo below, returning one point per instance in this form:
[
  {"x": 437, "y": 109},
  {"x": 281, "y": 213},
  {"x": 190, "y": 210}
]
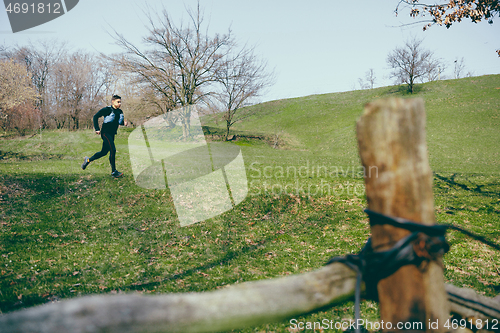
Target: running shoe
[
  {"x": 86, "y": 162},
  {"x": 116, "y": 174}
]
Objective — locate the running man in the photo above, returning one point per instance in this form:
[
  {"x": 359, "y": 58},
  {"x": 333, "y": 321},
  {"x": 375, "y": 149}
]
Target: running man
[{"x": 113, "y": 117}]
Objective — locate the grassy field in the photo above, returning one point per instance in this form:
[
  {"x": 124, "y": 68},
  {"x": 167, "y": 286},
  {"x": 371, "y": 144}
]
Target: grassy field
[{"x": 65, "y": 232}]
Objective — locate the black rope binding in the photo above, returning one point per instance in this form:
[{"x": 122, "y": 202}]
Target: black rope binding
[{"x": 425, "y": 243}]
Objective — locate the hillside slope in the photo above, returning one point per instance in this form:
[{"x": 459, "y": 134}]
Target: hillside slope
[{"x": 463, "y": 122}]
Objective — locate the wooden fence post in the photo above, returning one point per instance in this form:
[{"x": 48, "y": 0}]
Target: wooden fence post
[{"x": 393, "y": 151}]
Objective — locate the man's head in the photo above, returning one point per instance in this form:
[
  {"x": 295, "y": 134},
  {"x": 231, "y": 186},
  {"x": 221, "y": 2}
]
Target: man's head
[{"x": 116, "y": 101}]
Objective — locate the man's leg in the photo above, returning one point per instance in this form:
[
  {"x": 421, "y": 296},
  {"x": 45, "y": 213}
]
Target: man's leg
[
  {"x": 104, "y": 150},
  {"x": 112, "y": 151}
]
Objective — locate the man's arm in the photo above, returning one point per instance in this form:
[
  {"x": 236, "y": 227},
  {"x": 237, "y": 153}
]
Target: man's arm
[
  {"x": 122, "y": 120},
  {"x": 98, "y": 115}
]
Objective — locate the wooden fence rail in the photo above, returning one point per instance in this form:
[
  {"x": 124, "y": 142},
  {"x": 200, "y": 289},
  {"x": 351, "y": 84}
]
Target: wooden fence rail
[
  {"x": 244, "y": 305},
  {"x": 234, "y": 307}
]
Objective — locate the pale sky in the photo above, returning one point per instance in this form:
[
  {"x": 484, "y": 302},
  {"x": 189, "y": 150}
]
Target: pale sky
[{"x": 314, "y": 47}]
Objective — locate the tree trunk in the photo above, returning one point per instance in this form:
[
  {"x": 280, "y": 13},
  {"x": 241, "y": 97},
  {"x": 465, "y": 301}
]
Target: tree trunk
[
  {"x": 228, "y": 126},
  {"x": 391, "y": 137},
  {"x": 186, "y": 121}
]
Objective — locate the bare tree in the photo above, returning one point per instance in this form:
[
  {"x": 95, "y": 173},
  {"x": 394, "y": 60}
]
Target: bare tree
[
  {"x": 370, "y": 77},
  {"x": 368, "y": 81},
  {"x": 459, "y": 67},
  {"x": 412, "y": 63},
  {"x": 39, "y": 59},
  {"x": 24, "y": 117},
  {"x": 15, "y": 90},
  {"x": 182, "y": 61},
  {"x": 145, "y": 98},
  {"x": 242, "y": 77},
  {"x": 79, "y": 85},
  {"x": 434, "y": 69},
  {"x": 362, "y": 84},
  {"x": 144, "y": 102}
]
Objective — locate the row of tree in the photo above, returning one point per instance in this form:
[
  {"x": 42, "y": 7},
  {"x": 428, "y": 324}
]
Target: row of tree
[
  {"x": 47, "y": 86},
  {"x": 44, "y": 85}
]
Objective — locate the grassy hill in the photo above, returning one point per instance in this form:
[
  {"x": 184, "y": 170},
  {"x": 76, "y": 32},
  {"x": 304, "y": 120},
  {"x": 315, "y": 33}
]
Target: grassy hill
[
  {"x": 65, "y": 232},
  {"x": 463, "y": 122}
]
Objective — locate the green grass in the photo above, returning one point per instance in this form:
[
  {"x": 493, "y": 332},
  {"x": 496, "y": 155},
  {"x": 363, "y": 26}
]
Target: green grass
[{"x": 65, "y": 232}]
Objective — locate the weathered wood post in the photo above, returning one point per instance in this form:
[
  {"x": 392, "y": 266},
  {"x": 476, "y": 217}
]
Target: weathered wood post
[{"x": 393, "y": 151}]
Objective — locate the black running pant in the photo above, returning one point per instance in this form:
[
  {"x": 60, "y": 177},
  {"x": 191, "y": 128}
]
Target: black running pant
[{"x": 108, "y": 145}]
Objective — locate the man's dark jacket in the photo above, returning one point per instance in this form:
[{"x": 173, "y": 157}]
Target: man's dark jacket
[{"x": 112, "y": 119}]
